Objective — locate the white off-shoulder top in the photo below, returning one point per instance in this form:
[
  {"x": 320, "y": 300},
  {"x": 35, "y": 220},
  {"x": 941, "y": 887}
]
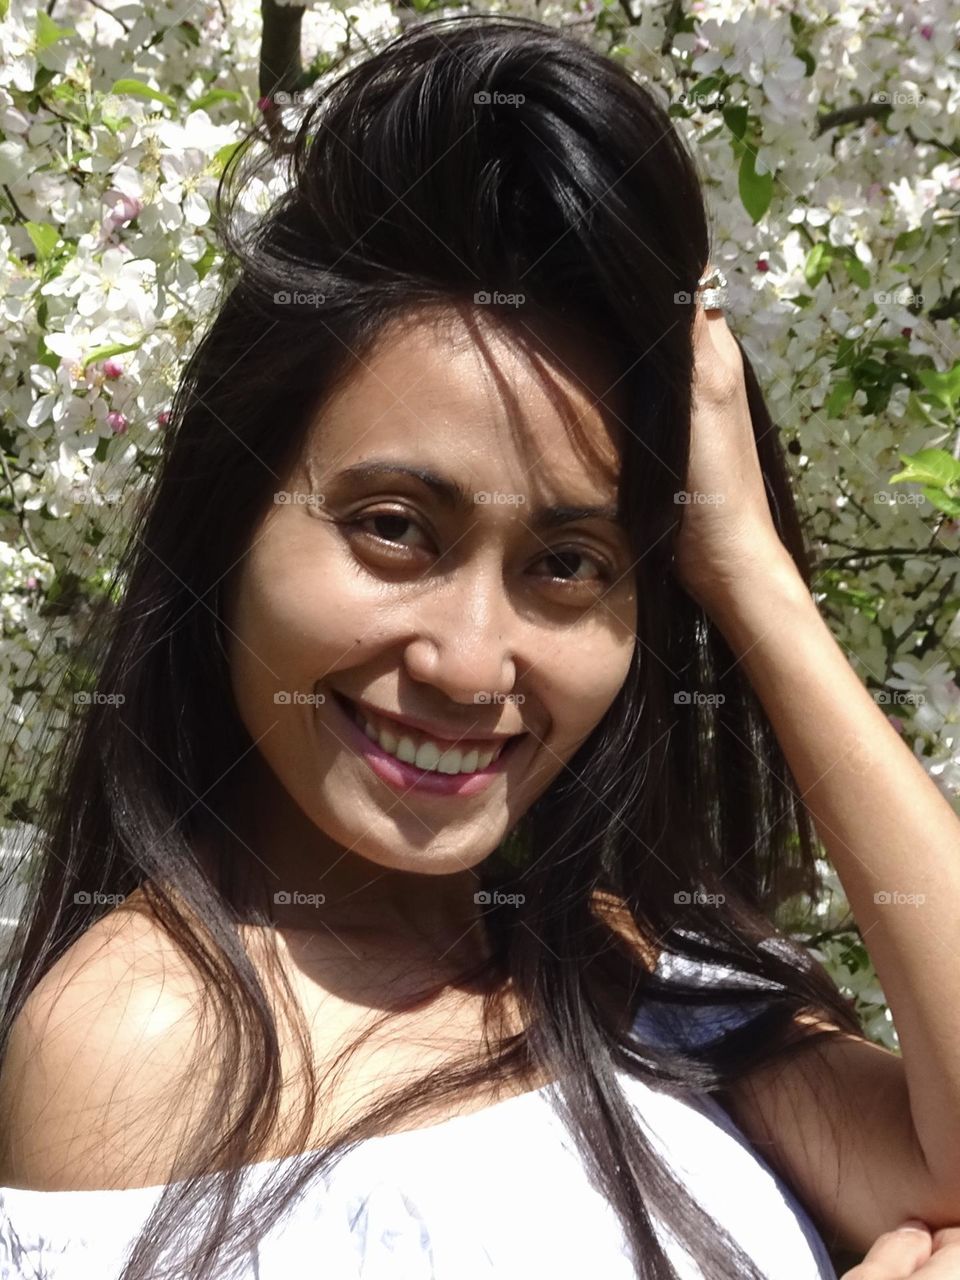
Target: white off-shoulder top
[{"x": 497, "y": 1194}]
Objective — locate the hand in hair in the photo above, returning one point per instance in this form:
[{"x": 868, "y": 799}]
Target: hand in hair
[
  {"x": 911, "y": 1251},
  {"x": 727, "y": 536}
]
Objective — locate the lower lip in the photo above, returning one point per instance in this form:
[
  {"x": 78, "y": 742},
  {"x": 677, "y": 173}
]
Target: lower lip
[{"x": 407, "y": 777}]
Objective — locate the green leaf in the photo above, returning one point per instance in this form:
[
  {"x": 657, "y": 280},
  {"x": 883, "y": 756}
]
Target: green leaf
[
  {"x": 909, "y": 239},
  {"x": 756, "y": 189},
  {"x": 40, "y": 81},
  {"x": 114, "y": 349},
  {"x": 943, "y": 501},
  {"x": 943, "y": 387},
  {"x": 137, "y": 89},
  {"x": 857, "y": 272},
  {"x": 203, "y": 264},
  {"x": 100, "y": 453},
  {"x": 818, "y": 263},
  {"x": 4, "y": 9},
  {"x": 188, "y": 33},
  {"x": 839, "y": 397},
  {"x": 215, "y": 95},
  {"x": 221, "y": 158},
  {"x": 932, "y": 467},
  {"x": 736, "y": 119},
  {"x": 44, "y": 237},
  {"x": 48, "y": 32}
]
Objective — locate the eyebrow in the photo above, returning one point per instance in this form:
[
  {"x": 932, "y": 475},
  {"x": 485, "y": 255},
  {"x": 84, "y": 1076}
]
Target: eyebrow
[{"x": 455, "y": 496}]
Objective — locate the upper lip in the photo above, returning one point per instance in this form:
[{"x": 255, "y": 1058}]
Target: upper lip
[{"x": 440, "y": 734}]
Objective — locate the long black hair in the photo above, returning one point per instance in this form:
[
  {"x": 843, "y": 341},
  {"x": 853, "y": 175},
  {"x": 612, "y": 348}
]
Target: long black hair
[{"x": 466, "y": 155}]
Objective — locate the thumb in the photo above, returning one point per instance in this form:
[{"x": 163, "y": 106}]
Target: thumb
[{"x": 895, "y": 1254}]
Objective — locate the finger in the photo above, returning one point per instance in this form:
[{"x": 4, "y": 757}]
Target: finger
[
  {"x": 947, "y": 1238},
  {"x": 895, "y": 1254}
]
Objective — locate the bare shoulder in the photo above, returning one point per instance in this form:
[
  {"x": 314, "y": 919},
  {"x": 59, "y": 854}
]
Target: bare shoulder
[{"x": 90, "y": 1083}]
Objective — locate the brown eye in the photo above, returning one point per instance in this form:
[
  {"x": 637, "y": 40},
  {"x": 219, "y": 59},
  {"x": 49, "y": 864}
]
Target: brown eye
[
  {"x": 570, "y": 561},
  {"x": 386, "y": 526}
]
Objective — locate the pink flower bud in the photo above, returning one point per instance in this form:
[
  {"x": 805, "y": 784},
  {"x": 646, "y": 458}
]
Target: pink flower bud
[
  {"x": 111, "y": 369},
  {"x": 265, "y": 103},
  {"x": 117, "y": 422},
  {"x": 163, "y": 417},
  {"x": 906, "y": 333},
  {"x": 762, "y": 264},
  {"x": 896, "y": 722},
  {"x": 32, "y": 583},
  {"x": 926, "y": 31}
]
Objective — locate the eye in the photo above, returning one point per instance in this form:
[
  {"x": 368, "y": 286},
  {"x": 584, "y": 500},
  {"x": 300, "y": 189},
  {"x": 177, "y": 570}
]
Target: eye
[
  {"x": 389, "y": 527},
  {"x": 566, "y": 560}
]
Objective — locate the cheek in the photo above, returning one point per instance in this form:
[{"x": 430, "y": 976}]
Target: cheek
[{"x": 581, "y": 678}]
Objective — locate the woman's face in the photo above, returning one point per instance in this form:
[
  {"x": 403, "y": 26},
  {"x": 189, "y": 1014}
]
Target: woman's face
[{"x": 485, "y": 621}]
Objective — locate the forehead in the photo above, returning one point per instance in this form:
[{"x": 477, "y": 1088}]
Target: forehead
[{"x": 465, "y": 394}]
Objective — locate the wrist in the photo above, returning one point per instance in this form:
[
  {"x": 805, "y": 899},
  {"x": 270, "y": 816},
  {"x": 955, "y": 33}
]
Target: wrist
[{"x": 755, "y": 591}]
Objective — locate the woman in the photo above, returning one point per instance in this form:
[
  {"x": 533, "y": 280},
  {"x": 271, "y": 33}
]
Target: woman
[{"x": 421, "y": 872}]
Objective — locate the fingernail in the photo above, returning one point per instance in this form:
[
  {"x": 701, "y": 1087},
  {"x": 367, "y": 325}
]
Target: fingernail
[{"x": 914, "y": 1224}]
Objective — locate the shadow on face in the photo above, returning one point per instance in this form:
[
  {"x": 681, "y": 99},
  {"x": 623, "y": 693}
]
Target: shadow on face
[{"x": 445, "y": 564}]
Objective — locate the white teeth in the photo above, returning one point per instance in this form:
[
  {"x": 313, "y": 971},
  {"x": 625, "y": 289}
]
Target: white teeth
[{"x": 428, "y": 755}]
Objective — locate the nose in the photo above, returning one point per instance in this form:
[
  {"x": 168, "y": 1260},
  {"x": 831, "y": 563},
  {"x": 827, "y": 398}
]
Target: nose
[{"x": 465, "y": 637}]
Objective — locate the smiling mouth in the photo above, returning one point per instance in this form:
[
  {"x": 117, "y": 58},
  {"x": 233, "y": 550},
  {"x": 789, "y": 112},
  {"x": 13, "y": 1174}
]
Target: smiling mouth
[{"x": 419, "y": 750}]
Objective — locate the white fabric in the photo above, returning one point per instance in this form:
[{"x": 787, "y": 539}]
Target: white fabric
[{"x": 498, "y": 1193}]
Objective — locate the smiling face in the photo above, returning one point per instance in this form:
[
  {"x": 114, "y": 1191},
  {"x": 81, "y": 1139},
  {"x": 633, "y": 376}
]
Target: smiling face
[{"x": 429, "y": 565}]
